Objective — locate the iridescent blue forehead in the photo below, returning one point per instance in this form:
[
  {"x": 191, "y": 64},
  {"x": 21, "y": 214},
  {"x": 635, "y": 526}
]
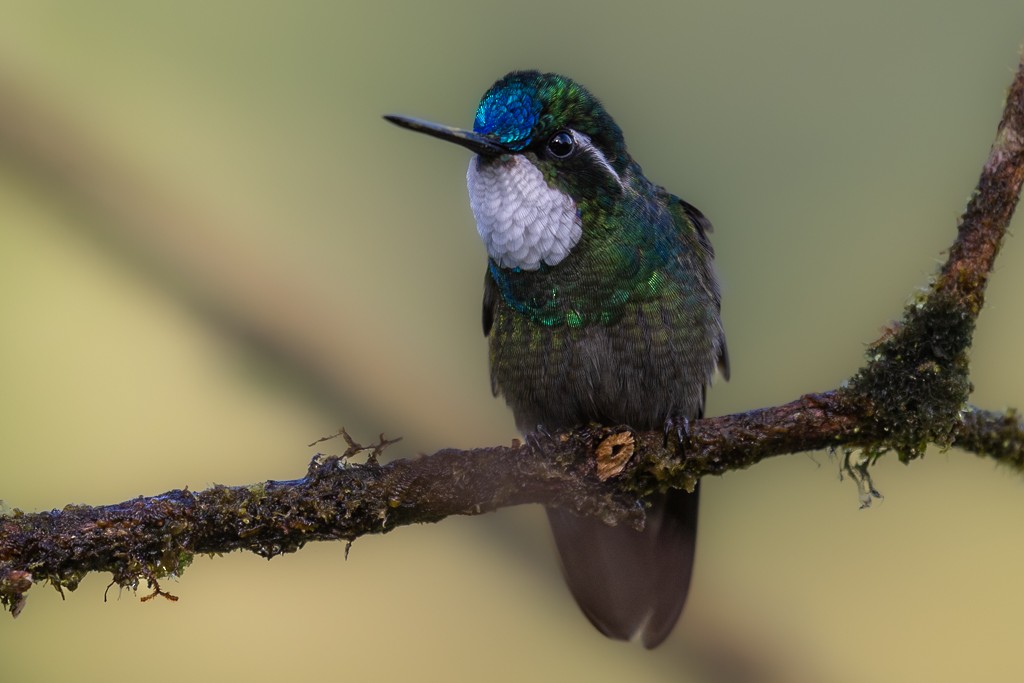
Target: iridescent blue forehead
[{"x": 509, "y": 112}]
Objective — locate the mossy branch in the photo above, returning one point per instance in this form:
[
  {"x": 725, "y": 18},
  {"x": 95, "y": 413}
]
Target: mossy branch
[{"x": 912, "y": 392}]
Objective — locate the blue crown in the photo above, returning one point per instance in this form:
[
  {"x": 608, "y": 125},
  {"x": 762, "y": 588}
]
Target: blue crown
[{"x": 509, "y": 111}]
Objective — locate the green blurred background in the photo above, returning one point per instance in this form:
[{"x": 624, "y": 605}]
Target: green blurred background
[{"x": 212, "y": 251}]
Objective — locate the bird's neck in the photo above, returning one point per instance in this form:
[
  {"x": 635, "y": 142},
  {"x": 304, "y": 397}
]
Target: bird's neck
[
  {"x": 525, "y": 224},
  {"x": 619, "y": 259}
]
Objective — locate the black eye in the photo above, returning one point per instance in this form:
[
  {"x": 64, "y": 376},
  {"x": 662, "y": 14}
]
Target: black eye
[{"x": 561, "y": 145}]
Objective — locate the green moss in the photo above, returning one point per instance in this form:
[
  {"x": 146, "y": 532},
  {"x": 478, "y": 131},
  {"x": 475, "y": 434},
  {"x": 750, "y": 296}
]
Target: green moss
[{"x": 916, "y": 383}]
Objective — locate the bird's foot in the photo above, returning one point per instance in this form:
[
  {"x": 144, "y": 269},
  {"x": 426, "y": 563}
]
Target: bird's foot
[
  {"x": 680, "y": 426},
  {"x": 539, "y": 438}
]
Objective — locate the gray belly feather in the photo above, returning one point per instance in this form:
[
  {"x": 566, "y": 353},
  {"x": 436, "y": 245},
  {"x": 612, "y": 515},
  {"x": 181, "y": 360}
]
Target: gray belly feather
[{"x": 637, "y": 371}]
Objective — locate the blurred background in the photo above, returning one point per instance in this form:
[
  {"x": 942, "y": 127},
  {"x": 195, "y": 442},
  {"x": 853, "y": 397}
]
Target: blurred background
[{"x": 213, "y": 251}]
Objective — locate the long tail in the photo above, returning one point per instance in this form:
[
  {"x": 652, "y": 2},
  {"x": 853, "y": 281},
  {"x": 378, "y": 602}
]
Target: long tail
[{"x": 626, "y": 581}]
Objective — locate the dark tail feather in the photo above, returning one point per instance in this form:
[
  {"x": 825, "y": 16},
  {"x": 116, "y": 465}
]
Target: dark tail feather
[{"x": 628, "y": 581}]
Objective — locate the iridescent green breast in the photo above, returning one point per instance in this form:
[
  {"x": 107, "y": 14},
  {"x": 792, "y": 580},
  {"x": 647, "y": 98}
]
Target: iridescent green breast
[
  {"x": 635, "y": 251},
  {"x": 624, "y": 331}
]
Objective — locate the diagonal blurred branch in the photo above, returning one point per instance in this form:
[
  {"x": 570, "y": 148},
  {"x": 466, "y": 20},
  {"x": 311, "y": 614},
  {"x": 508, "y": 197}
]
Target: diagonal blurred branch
[
  {"x": 912, "y": 392},
  {"x": 231, "y": 286}
]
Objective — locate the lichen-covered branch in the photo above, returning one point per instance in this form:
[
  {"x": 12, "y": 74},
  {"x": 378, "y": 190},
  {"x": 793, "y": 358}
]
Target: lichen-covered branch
[
  {"x": 149, "y": 538},
  {"x": 995, "y": 435},
  {"x": 912, "y": 392}
]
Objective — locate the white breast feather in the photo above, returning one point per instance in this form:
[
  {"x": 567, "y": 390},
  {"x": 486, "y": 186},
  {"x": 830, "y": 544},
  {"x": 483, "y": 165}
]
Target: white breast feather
[{"x": 522, "y": 221}]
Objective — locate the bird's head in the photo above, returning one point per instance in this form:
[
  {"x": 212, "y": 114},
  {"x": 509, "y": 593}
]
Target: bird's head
[{"x": 547, "y": 153}]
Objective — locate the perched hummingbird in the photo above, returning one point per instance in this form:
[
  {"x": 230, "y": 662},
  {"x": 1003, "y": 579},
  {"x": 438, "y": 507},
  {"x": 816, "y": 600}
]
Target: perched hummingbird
[{"x": 600, "y": 305}]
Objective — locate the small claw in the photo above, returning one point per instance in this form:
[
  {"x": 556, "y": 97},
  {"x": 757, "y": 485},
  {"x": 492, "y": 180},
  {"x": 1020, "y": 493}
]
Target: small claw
[
  {"x": 684, "y": 430},
  {"x": 537, "y": 438},
  {"x": 681, "y": 426}
]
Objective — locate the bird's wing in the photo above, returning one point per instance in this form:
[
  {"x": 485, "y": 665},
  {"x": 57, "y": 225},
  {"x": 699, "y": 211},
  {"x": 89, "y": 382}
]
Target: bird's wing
[{"x": 692, "y": 222}]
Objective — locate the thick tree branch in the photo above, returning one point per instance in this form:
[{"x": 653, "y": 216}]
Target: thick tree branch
[{"x": 912, "y": 392}]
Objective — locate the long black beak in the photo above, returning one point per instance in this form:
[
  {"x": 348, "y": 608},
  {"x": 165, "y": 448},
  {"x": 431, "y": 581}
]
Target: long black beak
[{"x": 467, "y": 138}]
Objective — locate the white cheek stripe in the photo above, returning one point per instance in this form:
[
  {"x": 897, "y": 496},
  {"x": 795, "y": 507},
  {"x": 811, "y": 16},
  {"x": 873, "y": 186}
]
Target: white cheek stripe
[
  {"x": 522, "y": 221},
  {"x": 597, "y": 155}
]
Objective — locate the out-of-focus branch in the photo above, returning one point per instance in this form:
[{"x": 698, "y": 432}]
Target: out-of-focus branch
[
  {"x": 182, "y": 246},
  {"x": 912, "y": 392}
]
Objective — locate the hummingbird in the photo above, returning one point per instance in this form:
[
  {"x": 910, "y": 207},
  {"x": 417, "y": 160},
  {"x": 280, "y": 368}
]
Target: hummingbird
[{"x": 600, "y": 305}]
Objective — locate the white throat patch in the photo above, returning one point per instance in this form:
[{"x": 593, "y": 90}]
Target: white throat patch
[{"x": 522, "y": 221}]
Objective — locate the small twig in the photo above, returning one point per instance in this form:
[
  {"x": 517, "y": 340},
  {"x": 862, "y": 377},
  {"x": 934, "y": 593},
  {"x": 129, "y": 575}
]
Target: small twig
[{"x": 157, "y": 591}]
